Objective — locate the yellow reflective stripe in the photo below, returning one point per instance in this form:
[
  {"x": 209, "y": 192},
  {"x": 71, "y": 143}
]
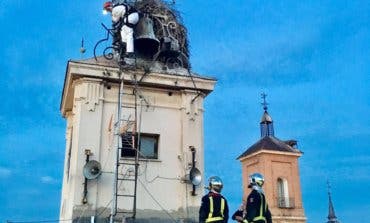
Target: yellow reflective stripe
[
  {"x": 245, "y": 221},
  {"x": 261, "y": 217},
  {"x": 222, "y": 207},
  {"x": 210, "y": 207},
  {"x": 214, "y": 219},
  {"x": 261, "y": 208},
  {"x": 210, "y": 214}
]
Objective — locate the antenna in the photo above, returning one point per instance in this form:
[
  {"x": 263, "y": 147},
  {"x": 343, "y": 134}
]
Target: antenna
[
  {"x": 264, "y": 103},
  {"x": 329, "y": 187},
  {"x": 82, "y": 48}
]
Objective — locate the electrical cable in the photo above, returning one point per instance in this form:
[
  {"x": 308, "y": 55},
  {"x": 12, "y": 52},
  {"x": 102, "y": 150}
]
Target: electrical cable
[
  {"x": 156, "y": 201},
  {"x": 109, "y": 151},
  {"x": 44, "y": 221},
  {"x": 195, "y": 86},
  {"x": 83, "y": 212},
  {"x": 142, "y": 155},
  {"x": 105, "y": 208},
  {"x": 40, "y": 221},
  {"x": 159, "y": 177},
  {"x": 138, "y": 132}
]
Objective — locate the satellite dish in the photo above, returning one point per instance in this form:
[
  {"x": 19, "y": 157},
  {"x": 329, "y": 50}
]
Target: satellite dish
[
  {"x": 92, "y": 169},
  {"x": 195, "y": 176}
]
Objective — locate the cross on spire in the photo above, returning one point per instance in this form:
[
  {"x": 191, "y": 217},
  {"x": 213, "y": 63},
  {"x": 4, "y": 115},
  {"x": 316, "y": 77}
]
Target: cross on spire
[
  {"x": 266, "y": 125},
  {"x": 264, "y": 103}
]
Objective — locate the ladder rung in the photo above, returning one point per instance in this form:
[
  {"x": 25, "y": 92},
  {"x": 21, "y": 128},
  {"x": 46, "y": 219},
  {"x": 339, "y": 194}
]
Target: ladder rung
[
  {"x": 125, "y": 179},
  {"x": 133, "y": 164},
  {"x": 127, "y": 120},
  {"x": 125, "y": 106},
  {"x": 125, "y": 195},
  {"x": 127, "y": 93},
  {"x": 125, "y": 212},
  {"x": 126, "y": 148}
]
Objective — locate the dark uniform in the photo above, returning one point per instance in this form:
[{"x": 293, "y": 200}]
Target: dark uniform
[
  {"x": 257, "y": 208},
  {"x": 213, "y": 209},
  {"x": 237, "y": 213}
]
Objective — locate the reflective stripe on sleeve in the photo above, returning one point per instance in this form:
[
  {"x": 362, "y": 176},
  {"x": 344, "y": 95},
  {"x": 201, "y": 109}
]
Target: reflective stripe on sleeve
[{"x": 214, "y": 219}]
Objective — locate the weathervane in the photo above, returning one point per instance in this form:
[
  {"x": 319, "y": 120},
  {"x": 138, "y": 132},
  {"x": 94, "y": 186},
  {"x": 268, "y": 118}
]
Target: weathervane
[{"x": 264, "y": 103}]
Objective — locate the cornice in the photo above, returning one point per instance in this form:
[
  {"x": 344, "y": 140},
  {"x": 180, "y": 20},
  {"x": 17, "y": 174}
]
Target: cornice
[
  {"x": 76, "y": 70},
  {"x": 271, "y": 152}
]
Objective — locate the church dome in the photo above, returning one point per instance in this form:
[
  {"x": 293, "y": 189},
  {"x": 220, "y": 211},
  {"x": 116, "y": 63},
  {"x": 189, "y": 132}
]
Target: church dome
[{"x": 266, "y": 118}]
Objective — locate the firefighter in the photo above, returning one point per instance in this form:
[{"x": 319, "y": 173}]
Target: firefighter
[
  {"x": 257, "y": 210},
  {"x": 214, "y": 206},
  {"x": 124, "y": 18}
]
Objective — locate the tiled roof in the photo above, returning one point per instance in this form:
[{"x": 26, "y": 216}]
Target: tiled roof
[
  {"x": 269, "y": 143},
  {"x": 154, "y": 67}
]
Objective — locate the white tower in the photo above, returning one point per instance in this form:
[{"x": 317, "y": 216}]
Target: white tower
[{"x": 141, "y": 119}]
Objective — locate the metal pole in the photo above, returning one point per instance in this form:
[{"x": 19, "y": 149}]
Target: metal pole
[
  {"x": 84, "y": 199},
  {"x": 137, "y": 149}
]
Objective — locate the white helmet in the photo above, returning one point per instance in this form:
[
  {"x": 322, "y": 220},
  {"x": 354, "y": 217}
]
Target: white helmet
[
  {"x": 215, "y": 183},
  {"x": 256, "y": 179}
]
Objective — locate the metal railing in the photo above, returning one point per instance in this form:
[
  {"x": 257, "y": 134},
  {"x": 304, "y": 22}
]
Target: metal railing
[{"x": 285, "y": 202}]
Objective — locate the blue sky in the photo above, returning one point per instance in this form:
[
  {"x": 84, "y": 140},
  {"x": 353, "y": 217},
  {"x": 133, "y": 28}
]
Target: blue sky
[{"x": 311, "y": 58}]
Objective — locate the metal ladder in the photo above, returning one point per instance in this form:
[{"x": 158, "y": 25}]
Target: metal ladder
[{"x": 127, "y": 145}]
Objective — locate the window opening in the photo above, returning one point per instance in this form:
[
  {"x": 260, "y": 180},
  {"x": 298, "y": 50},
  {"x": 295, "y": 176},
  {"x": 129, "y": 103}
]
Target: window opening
[
  {"x": 283, "y": 195},
  {"x": 148, "y": 145}
]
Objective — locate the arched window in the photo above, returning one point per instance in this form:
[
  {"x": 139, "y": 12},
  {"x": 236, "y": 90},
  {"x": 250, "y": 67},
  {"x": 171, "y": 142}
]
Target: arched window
[{"x": 283, "y": 193}]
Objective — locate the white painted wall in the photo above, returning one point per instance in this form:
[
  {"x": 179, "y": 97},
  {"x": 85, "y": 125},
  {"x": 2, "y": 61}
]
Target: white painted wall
[{"x": 88, "y": 106}]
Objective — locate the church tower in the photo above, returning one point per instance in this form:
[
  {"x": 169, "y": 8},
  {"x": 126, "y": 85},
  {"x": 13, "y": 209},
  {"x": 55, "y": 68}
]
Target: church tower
[
  {"x": 134, "y": 124},
  {"x": 331, "y": 216},
  {"x": 277, "y": 161}
]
